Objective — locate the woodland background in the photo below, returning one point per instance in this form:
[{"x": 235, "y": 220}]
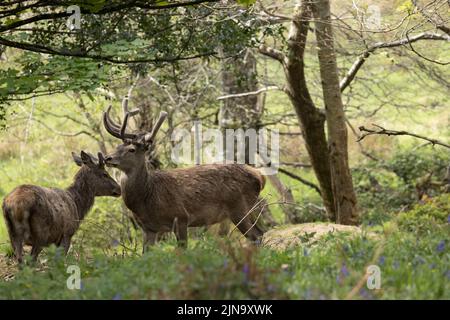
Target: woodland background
[{"x": 55, "y": 83}]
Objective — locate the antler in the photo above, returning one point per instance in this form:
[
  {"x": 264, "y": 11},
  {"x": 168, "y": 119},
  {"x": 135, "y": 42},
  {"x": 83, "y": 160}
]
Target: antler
[
  {"x": 127, "y": 98},
  {"x": 114, "y": 129},
  {"x": 151, "y": 135}
]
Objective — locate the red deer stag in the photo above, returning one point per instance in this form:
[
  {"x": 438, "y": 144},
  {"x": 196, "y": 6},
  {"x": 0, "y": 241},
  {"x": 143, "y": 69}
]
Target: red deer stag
[
  {"x": 164, "y": 201},
  {"x": 40, "y": 216}
]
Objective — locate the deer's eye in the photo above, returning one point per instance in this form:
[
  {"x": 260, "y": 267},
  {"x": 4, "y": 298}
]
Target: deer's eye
[
  {"x": 131, "y": 150},
  {"x": 105, "y": 175}
]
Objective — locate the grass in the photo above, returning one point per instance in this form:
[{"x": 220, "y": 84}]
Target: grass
[
  {"x": 412, "y": 251},
  {"x": 211, "y": 268}
]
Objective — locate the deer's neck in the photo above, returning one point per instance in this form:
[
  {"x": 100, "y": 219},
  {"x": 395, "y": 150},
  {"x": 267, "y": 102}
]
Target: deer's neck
[
  {"x": 136, "y": 187},
  {"x": 82, "y": 193}
]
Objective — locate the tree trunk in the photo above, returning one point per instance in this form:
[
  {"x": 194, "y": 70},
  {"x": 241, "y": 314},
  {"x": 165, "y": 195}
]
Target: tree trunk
[
  {"x": 239, "y": 75},
  {"x": 311, "y": 119},
  {"x": 342, "y": 185}
]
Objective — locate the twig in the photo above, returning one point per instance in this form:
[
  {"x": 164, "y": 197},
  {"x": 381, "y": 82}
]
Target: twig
[
  {"x": 384, "y": 131},
  {"x": 304, "y": 181},
  {"x": 345, "y": 82},
  {"x": 245, "y": 94},
  {"x": 272, "y": 53}
]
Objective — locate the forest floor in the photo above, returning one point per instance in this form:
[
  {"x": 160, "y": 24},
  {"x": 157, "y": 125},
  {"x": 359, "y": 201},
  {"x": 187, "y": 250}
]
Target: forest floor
[
  {"x": 411, "y": 252},
  {"x": 7, "y": 268}
]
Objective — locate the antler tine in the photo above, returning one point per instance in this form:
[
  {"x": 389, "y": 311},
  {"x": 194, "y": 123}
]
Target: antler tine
[
  {"x": 150, "y": 136},
  {"x": 127, "y": 98},
  {"x": 124, "y": 125},
  {"x": 110, "y": 126},
  {"x": 114, "y": 129},
  {"x": 125, "y": 106}
]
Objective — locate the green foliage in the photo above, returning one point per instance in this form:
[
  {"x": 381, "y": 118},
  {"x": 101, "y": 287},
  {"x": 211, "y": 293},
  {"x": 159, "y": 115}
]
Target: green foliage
[
  {"x": 435, "y": 213},
  {"x": 411, "y": 268},
  {"x": 384, "y": 187},
  {"x": 410, "y": 165}
]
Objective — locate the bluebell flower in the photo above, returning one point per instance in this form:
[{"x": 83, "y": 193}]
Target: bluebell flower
[
  {"x": 246, "y": 269},
  {"x": 441, "y": 246},
  {"x": 344, "y": 270},
  {"x": 448, "y": 219},
  {"x": 225, "y": 263},
  {"x": 118, "y": 296},
  {"x": 365, "y": 294},
  {"x": 115, "y": 242},
  {"x": 381, "y": 260},
  {"x": 305, "y": 252}
]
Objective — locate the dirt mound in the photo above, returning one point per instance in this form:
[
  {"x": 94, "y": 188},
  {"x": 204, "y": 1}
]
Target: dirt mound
[{"x": 304, "y": 234}]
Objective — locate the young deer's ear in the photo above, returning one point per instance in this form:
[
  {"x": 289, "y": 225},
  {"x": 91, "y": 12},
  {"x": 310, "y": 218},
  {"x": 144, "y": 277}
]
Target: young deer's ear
[
  {"x": 77, "y": 159},
  {"x": 87, "y": 159},
  {"x": 101, "y": 160}
]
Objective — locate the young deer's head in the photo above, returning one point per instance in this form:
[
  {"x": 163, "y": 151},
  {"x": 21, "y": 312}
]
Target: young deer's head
[
  {"x": 131, "y": 153},
  {"x": 97, "y": 177}
]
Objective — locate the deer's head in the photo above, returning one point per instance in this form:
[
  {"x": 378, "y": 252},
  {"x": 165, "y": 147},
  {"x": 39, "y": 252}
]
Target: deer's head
[
  {"x": 131, "y": 153},
  {"x": 97, "y": 177}
]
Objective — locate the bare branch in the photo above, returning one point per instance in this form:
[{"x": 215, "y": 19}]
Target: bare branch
[
  {"x": 387, "y": 132},
  {"x": 272, "y": 53},
  {"x": 298, "y": 178},
  {"x": 345, "y": 82},
  {"x": 253, "y": 93},
  {"x": 64, "y": 134}
]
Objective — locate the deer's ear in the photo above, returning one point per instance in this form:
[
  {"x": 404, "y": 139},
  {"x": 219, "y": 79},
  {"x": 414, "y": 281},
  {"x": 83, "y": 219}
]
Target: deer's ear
[
  {"x": 87, "y": 159},
  {"x": 77, "y": 159},
  {"x": 101, "y": 160}
]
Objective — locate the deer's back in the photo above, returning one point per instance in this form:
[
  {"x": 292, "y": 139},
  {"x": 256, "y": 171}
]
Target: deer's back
[
  {"x": 50, "y": 212},
  {"x": 211, "y": 192}
]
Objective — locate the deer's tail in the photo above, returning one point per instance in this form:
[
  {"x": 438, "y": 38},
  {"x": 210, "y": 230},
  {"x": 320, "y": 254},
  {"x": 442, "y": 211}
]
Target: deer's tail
[{"x": 16, "y": 210}]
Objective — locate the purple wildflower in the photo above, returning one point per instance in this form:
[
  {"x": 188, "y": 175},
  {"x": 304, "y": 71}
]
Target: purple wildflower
[
  {"x": 305, "y": 252},
  {"x": 447, "y": 274},
  {"x": 246, "y": 271},
  {"x": 381, "y": 260},
  {"x": 365, "y": 294},
  {"x": 118, "y": 296},
  {"x": 441, "y": 246},
  {"x": 344, "y": 270},
  {"x": 115, "y": 243}
]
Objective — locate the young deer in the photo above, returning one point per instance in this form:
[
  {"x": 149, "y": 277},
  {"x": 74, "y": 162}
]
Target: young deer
[
  {"x": 164, "y": 201},
  {"x": 40, "y": 216}
]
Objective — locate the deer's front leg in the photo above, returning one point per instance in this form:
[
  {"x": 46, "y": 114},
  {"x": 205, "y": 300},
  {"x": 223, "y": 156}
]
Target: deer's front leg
[
  {"x": 149, "y": 240},
  {"x": 65, "y": 243},
  {"x": 181, "y": 232}
]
